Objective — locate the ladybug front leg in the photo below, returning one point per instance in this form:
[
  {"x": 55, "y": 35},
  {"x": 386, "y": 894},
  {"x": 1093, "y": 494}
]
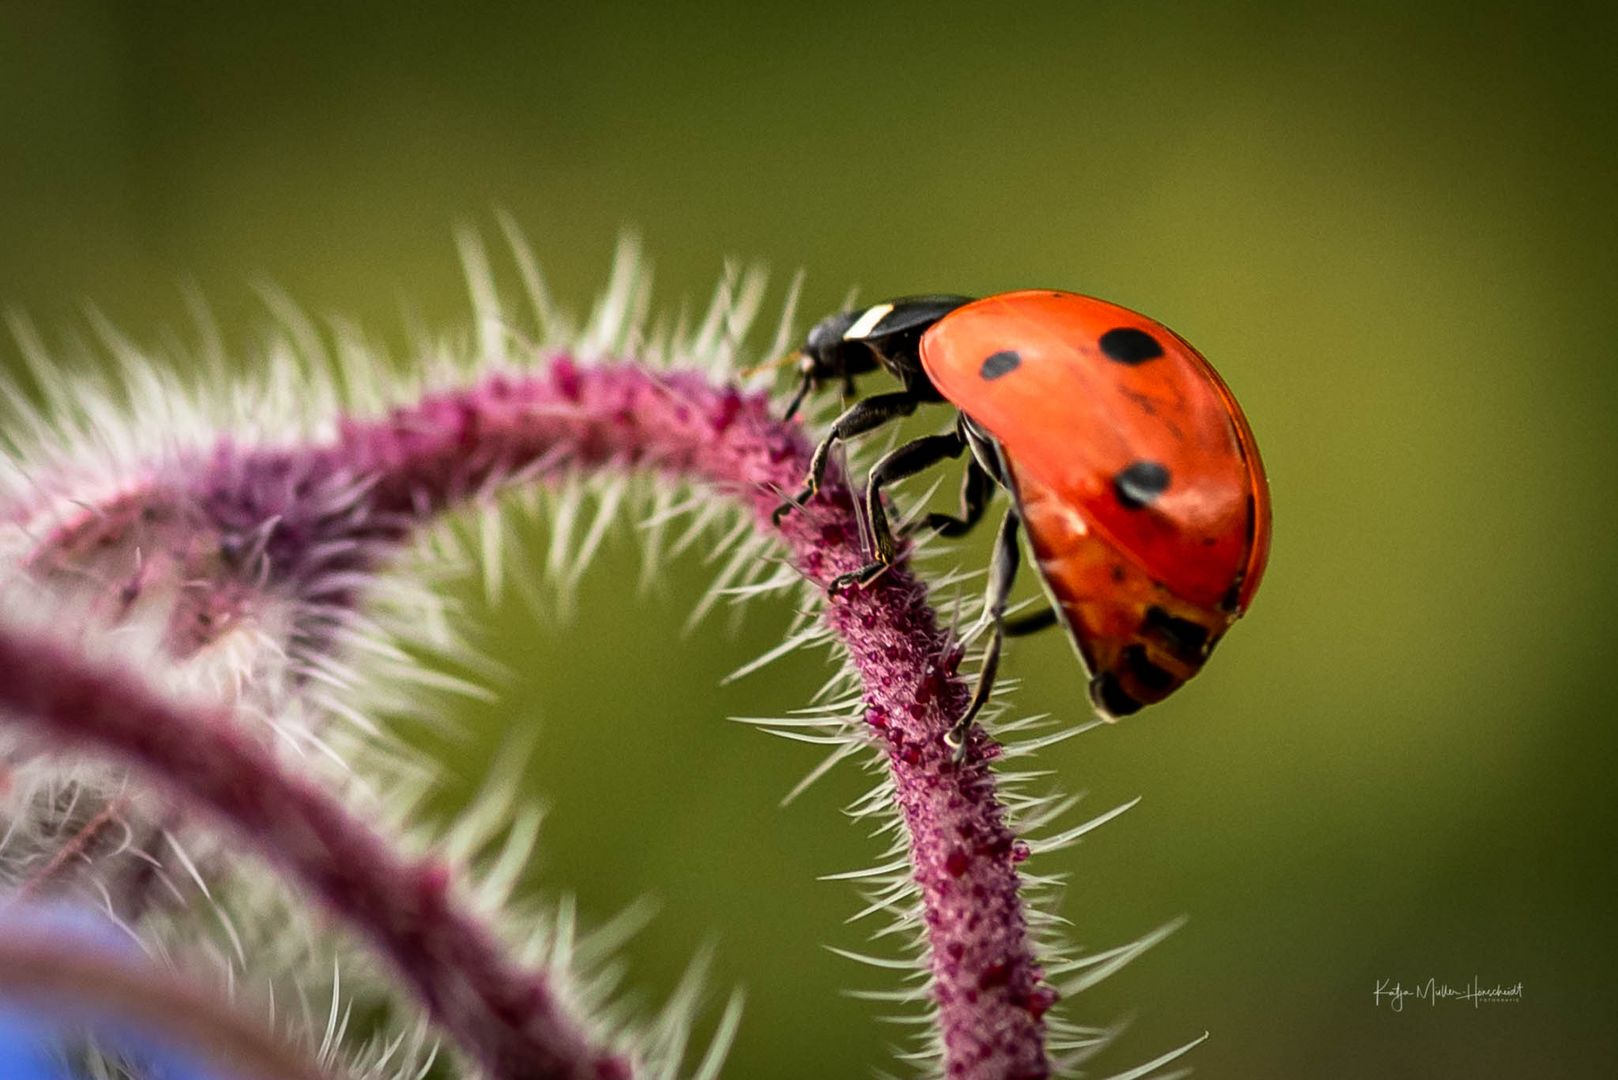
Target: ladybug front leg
[
  {"x": 806, "y": 385},
  {"x": 1002, "y": 573},
  {"x": 907, "y": 460},
  {"x": 862, "y": 416}
]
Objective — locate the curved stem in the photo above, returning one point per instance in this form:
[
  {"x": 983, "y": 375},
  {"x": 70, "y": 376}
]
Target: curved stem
[
  {"x": 431, "y": 455},
  {"x": 328, "y": 515},
  {"x": 505, "y": 1017}
]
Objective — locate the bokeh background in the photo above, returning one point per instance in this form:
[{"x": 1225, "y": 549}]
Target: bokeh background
[{"x": 1392, "y": 228}]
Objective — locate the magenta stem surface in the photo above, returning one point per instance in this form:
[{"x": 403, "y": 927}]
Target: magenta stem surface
[
  {"x": 428, "y": 456},
  {"x": 454, "y": 446}
]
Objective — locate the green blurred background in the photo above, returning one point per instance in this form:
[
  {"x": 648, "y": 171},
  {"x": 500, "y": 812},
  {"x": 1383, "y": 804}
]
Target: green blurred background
[{"x": 1391, "y": 229}]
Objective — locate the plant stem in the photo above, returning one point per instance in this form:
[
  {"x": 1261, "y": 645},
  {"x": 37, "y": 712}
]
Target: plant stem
[
  {"x": 397, "y": 473},
  {"x": 505, "y": 1017},
  {"x": 427, "y": 457}
]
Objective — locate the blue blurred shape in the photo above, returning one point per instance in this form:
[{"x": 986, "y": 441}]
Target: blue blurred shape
[
  {"x": 26, "y": 1048},
  {"x": 30, "y": 1036}
]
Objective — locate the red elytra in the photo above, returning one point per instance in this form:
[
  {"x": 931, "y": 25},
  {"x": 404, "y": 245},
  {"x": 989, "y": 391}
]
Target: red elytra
[{"x": 1073, "y": 418}]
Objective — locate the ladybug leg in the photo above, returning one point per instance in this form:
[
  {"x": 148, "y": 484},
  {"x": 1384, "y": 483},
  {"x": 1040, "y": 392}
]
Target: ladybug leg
[
  {"x": 862, "y": 416},
  {"x": 1002, "y": 572},
  {"x": 855, "y": 577},
  {"x": 805, "y": 385},
  {"x": 907, "y": 460},
  {"x": 1033, "y": 623},
  {"x": 976, "y": 488}
]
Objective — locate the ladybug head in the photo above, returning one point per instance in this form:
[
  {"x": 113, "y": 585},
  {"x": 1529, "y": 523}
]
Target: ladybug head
[
  {"x": 830, "y": 355},
  {"x": 861, "y": 340}
]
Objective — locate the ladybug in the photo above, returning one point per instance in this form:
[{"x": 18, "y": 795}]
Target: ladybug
[{"x": 1125, "y": 456}]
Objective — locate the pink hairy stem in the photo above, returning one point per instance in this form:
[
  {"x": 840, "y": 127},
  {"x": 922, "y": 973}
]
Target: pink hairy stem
[
  {"x": 428, "y": 456},
  {"x": 323, "y": 516},
  {"x": 506, "y": 1018}
]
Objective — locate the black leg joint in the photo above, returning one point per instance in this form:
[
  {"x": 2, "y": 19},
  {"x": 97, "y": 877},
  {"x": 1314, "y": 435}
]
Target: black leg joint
[{"x": 859, "y": 418}]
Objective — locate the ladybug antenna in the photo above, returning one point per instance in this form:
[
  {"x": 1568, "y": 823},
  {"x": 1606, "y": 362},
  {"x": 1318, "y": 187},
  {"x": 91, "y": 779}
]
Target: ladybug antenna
[{"x": 772, "y": 365}]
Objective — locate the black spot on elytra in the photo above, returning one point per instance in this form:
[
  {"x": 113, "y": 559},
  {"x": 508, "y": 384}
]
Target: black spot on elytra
[
  {"x": 1000, "y": 363},
  {"x": 1151, "y": 676},
  {"x": 1186, "y": 639},
  {"x": 1110, "y": 694},
  {"x": 1127, "y": 345},
  {"x": 1139, "y": 484}
]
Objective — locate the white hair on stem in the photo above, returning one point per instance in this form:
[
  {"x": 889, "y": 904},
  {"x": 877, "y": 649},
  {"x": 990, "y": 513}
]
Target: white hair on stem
[{"x": 84, "y": 451}]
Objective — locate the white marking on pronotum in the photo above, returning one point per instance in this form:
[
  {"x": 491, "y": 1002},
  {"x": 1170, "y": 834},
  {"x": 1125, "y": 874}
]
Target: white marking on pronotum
[{"x": 867, "y": 322}]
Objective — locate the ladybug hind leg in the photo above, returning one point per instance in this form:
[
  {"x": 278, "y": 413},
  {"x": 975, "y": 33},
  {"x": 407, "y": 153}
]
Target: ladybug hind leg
[
  {"x": 1032, "y": 623},
  {"x": 1002, "y": 574}
]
